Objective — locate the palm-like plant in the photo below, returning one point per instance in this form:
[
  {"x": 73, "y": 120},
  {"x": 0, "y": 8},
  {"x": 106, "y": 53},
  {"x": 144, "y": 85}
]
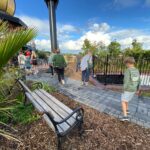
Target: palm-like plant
[
  {"x": 13, "y": 40},
  {"x": 10, "y": 43}
]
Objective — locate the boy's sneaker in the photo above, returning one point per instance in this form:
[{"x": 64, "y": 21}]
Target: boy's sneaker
[
  {"x": 86, "y": 83},
  {"x": 82, "y": 84},
  {"x": 63, "y": 82},
  {"x": 124, "y": 118}
]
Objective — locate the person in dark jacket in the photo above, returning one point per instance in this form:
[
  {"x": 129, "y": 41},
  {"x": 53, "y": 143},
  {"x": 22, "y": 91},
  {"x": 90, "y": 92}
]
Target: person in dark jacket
[{"x": 59, "y": 64}]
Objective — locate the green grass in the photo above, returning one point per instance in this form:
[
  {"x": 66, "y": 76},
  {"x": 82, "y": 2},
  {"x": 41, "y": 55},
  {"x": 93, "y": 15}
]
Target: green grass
[
  {"x": 48, "y": 88},
  {"x": 24, "y": 114},
  {"x": 20, "y": 114},
  {"x": 146, "y": 94}
]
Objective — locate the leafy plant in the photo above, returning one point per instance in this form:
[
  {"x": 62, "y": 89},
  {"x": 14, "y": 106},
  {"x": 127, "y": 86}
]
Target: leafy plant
[
  {"x": 13, "y": 40},
  {"x": 48, "y": 88},
  {"x": 26, "y": 116},
  {"x": 10, "y": 43}
]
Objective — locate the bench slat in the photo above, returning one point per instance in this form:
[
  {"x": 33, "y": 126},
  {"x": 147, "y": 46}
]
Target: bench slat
[
  {"x": 24, "y": 86},
  {"x": 64, "y": 125},
  {"x": 55, "y": 107},
  {"x": 57, "y": 102},
  {"x": 50, "y": 124},
  {"x": 41, "y": 110},
  {"x": 35, "y": 104}
]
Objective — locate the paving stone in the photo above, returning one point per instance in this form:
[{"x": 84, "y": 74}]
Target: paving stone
[
  {"x": 105, "y": 101},
  {"x": 149, "y": 113},
  {"x": 134, "y": 120},
  {"x": 140, "y": 123},
  {"x": 147, "y": 124},
  {"x": 142, "y": 110},
  {"x": 101, "y": 107}
]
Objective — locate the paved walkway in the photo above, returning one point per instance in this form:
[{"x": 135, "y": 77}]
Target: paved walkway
[{"x": 102, "y": 100}]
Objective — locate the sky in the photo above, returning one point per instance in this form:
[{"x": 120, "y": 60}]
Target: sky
[{"x": 96, "y": 20}]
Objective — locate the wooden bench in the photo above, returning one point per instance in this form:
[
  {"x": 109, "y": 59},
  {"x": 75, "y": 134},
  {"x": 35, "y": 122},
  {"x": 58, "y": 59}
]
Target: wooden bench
[{"x": 58, "y": 116}]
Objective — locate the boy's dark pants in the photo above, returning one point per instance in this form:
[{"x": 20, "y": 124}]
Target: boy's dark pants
[
  {"x": 52, "y": 70},
  {"x": 85, "y": 75},
  {"x": 60, "y": 73}
]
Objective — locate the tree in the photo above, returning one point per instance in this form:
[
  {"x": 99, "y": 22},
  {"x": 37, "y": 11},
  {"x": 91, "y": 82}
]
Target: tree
[
  {"x": 114, "y": 48},
  {"x": 87, "y": 45},
  {"x": 135, "y": 51},
  {"x": 136, "y": 46}
]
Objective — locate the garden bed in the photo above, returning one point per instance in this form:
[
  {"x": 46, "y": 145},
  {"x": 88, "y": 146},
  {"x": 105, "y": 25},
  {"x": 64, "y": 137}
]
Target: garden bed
[{"x": 102, "y": 132}]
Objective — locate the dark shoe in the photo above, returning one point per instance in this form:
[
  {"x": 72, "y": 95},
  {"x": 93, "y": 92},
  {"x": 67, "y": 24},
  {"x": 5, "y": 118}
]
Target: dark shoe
[
  {"x": 124, "y": 118},
  {"x": 128, "y": 112}
]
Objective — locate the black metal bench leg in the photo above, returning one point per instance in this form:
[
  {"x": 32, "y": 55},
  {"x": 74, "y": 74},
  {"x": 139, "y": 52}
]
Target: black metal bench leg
[
  {"x": 25, "y": 100},
  {"x": 59, "y": 146},
  {"x": 80, "y": 128}
]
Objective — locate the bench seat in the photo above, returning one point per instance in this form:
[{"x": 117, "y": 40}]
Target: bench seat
[{"x": 60, "y": 118}]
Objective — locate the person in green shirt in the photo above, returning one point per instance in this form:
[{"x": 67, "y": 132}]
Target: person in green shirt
[
  {"x": 50, "y": 62},
  {"x": 59, "y": 64},
  {"x": 130, "y": 86}
]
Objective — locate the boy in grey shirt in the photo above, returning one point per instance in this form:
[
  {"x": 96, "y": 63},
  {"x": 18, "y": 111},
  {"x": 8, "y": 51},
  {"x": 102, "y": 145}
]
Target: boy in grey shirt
[{"x": 130, "y": 86}]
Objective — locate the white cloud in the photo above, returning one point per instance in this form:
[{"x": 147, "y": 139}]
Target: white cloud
[
  {"x": 103, "y": 27},
  {"x": 120, "y": 34},
  {"x": 147, "y": 3},
  {"x": 126, "y": 3},
  {"x": 41, "y": 25},
  {"x": 67, "y": 28},
  {"x": 43, "y": 44},
  {"x": 90, "y": 35},
  {"x": 97, "y": 32}
]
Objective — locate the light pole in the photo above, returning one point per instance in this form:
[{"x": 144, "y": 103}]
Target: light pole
[{"x": 52, "y": 5}]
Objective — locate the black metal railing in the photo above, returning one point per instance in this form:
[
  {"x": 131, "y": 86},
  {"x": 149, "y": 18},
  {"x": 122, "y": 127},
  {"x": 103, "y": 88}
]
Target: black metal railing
[{"x": 111, "y": 70}]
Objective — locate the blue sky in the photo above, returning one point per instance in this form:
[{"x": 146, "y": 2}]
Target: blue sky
[{"x": 97, "y": 20}]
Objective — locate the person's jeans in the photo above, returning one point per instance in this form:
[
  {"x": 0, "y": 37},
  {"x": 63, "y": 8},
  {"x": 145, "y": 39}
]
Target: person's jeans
[
  {"x": 60, "y": 73},
  {"x": 77, "y": 66},
  {"x": 52, "y": 70},
  {"x": 85, "y": 75}
]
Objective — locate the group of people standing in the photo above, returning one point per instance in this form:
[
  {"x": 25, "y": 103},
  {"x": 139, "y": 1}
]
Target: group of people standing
[
  {"x": 57, "y": 64},
  {"x": 28, "y": 60}
]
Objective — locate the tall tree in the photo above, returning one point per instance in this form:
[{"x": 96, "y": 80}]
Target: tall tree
[
  {"x": 87, "y": 45},
  {"x": 136, "y": 46},
  {"x": 114, "y": 48}
]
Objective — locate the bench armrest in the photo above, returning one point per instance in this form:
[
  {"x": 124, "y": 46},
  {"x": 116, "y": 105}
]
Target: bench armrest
[
  {"x": 37, "y": 85},
  {"x": 79, "y": 117}
]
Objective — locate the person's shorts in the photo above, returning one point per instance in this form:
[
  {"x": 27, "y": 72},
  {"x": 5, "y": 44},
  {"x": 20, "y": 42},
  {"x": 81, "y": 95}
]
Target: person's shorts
[
  {"x": 127, "y": 96},
  {"x": 34, "y": 62}
]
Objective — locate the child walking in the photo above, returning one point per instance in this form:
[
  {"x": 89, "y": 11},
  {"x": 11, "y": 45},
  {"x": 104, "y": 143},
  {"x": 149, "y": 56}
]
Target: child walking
[
  {"x": 86, "y": 65},
  {"x": 130, "y": 86}
]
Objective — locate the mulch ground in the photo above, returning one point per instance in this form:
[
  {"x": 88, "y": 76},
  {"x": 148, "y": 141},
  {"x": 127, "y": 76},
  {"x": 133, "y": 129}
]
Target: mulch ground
[{"x": 102, "y": 132}]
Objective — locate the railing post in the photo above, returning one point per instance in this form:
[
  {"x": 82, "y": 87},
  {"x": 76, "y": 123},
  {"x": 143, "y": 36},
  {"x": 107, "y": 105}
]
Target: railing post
[
  {"x": 106, "y": 69},
  {"x": 93, "y": 59}
]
